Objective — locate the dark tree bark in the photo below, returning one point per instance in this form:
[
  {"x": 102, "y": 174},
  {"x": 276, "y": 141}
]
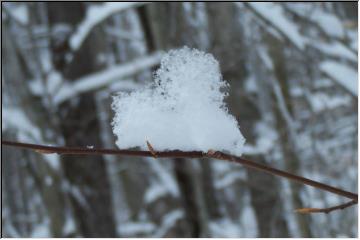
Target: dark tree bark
[
  {"x": 187, "y": 194},
  {"x": 20, "y": 98},
  {"x": 13, "y": 182},
  {"x": 292, "y": 162},
  {"x": 210, "y": 197},
  {"x": 157, "y": 31},
  {"x": 89, "y": 184},
  {"x": 225, "y": 31}
]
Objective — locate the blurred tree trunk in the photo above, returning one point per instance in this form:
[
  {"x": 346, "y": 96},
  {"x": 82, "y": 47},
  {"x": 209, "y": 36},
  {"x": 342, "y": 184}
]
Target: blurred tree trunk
[
  {"x": 13, "y": 178},
  {"x": 165, "y": 27},
  {"x": 291, "y": 158},
  {"x": 211, "y": 201},
  {"x": 15, "y": 76},
  {"x": 12, "y": 169},
  {"x": 151, "y": 19},
  {"x": 89, "y": 185},
  {"x": 187, "y": 191},
  {"x": 225, "y": 31}
]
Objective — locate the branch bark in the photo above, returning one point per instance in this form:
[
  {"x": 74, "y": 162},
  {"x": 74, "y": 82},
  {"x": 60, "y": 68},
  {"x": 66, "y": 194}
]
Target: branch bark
[
  {"x": 180, "y": 154},
  {"x": 326, "y": 210}
]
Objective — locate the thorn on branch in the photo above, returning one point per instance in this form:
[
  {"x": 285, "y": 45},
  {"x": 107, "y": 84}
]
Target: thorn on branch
[
  {"x": 214, "y": 154},
  {"x": 326, "y": 210},
  {"x": 151, "y": 149},
  {"x": 44, "y": 151}
]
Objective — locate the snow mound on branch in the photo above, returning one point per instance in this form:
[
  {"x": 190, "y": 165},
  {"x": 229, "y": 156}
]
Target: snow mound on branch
[{"x": 183, "y": 109}]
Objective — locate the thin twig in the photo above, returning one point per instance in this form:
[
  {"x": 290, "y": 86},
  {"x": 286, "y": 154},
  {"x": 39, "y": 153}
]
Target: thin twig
[
  {"x": 326, "y": 210},
  {"x": 180, "y": 154}
]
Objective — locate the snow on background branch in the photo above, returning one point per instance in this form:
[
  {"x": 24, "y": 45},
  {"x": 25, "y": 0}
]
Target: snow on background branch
[
  {"x": 106, "y": 77},
  {"x": 94, "y": 16}
]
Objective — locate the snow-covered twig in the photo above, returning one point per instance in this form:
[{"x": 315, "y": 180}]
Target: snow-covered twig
[{"x": 189, "y": 154}]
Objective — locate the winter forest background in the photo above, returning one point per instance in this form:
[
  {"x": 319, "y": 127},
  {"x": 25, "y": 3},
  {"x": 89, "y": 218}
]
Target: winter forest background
[{"x": 292, "y": 70}]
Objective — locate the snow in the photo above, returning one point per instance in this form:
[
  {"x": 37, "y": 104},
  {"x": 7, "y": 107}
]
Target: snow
[
  {"x": 322, "y": 101},
  {"x": 297, "y": 91},
  {"x": 26, "y": 131},
  {"x": 222, "y": 167},
  {"x": 353, "y": 37},
  {"x": 229, "y": 178},
  {"x": 41, "y": 230},
  {"x": 53, "y": 160},
  {"x": 290, "y": 123},
  {"x": 323, "y": 83},
  {"x": 79, "y": 197},
  {"x": 251, "y": 85},
  {"x": 182, "y": 109},
  {"x": 96, "y": 14},
  {"x": 155, "y": 192},
  {"x": 135, "y": 228},
  {"x": 336, "y": 49},
  {"x": 329, "y": 23},
  {"x": 168, "y": 221},
  {"x": 69, "y": 226},
  {"x": 125, "y": 85},
  {"x": 263, "y": 54},
  {"x": 105, "y": 77},
  {"x": 20, "y": 13},
  {"x": 275, "y": 15},
  {"x": 53, "y": 83},
  {"x": 341, "y": 74},
  {"x": 122, "y": 34},
  {"x": 249, "y": 222},
  {"x": 17, "y": 119},
  {"x": 10, "y": 230},
  {"x": 224, "y": 228},
  {"x": 265, "y": 141},
  {"x": 166, "y": 178}
]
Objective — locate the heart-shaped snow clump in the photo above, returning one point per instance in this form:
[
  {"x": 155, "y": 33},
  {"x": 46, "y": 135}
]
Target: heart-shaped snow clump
[{"x": 183, "y": 109}]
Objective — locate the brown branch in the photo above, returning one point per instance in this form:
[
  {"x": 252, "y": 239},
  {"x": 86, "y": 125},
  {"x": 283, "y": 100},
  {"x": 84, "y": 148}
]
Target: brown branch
[
  {"x": 181, "y": 154},
  {"x": 326, "y": 210}
]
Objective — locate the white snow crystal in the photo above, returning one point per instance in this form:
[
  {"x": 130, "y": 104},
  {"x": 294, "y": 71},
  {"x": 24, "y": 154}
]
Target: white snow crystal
[
  {"x": 344, "y": 75},
  {"x": 182, "y": 109}
]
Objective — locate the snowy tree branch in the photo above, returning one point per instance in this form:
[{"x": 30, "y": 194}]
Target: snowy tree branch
[
  {"x": 338, "y": 75},
  {"x": 192, "y": 154},
  {"x": 20, "y": 16},
  {"x": 94, "y": 16},
  {"x": 106, "y": 77}
]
